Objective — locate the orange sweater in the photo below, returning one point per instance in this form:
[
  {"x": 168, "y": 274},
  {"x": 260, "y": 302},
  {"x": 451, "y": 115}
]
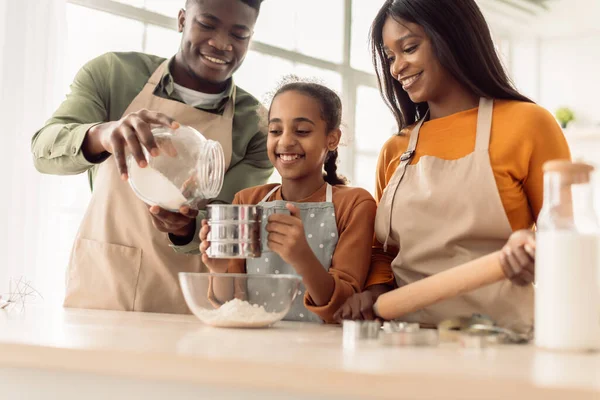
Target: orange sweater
[
  {"x": 524, "y": 136},
  {"x": 355, "y": 211}
]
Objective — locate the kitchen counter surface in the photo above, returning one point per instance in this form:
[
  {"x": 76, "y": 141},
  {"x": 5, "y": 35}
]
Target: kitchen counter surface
[{"x": 298, "y": 359}]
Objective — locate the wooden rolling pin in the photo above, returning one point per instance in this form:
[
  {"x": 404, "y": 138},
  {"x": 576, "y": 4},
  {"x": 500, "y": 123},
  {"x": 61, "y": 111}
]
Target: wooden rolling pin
[{"x": 453, "y": 282}]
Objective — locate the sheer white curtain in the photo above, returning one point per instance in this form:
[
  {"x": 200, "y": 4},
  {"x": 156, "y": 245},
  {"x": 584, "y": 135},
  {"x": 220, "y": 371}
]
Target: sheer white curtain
[{"x": 32, "y": 84}]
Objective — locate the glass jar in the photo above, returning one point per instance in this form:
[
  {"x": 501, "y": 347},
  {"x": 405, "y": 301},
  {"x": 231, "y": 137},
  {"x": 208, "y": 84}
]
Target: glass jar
[
  {"x": 567, "y": 270},
  {"x": 188, "y": 170}
]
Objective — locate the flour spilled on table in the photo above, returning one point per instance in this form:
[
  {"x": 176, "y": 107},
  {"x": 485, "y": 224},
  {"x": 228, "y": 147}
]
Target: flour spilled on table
[{"x": 238, "y": 314}]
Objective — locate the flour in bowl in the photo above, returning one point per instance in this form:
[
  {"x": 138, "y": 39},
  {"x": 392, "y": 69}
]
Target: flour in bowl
[{"x": 239, "y": 314}]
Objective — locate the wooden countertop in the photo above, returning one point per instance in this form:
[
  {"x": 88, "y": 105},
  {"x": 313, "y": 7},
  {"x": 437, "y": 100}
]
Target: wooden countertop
[{"x": 298, "y": 358}]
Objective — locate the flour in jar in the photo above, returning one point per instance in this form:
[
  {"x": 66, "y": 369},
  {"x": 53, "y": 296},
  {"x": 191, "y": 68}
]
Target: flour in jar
[
  {"x": 237, "y": 313},
  {"x": 155, "y": 188}
]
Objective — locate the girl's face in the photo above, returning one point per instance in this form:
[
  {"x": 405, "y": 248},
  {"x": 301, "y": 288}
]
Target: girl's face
[
  {"x": 412, "y": 61},
  {"x": 298, "y": 141}
]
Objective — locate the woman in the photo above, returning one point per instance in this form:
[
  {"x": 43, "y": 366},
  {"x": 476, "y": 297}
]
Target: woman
[{"x": 465, "y": 171}]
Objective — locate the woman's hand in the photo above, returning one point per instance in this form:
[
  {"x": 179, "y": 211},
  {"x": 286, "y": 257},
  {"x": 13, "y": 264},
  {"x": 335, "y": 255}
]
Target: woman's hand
[
  {"x": 287, "y": 238},
  {"x": 213, "y": 264},
  {"x": 518, "y": 257}
]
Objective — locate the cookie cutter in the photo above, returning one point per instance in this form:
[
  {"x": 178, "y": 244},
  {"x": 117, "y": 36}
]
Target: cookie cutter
[
  {"x": 407, "y": 334},
  {"x": 479, "y": 331},
  {"x": 357, "y": 331}
]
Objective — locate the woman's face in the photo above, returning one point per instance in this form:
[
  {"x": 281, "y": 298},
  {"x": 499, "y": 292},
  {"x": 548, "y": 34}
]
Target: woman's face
[{"x": 413, "y": 62}]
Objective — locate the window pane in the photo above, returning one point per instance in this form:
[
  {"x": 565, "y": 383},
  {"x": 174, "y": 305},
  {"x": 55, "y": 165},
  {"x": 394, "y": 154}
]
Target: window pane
[
  {"x": 374, "y": 121},
  {"x": 331, "y": 79},
  {"x": 161, "y": 41},
  {"x": 363, "y": 13},
  {"x": 134, "y": 3},
  {"x": 92, "y": 33},
  {"x": 170, "y": 8},
  {"x": 298, "y": 26},
  {"x": 261, "y": 73},
  {"x": 364, "y": 171}
]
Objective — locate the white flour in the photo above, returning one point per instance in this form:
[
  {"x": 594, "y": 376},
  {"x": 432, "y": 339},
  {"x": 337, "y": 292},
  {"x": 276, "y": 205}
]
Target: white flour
[
  {"x": 238, "y": 314},
  {"x": 153, "y": 186}
]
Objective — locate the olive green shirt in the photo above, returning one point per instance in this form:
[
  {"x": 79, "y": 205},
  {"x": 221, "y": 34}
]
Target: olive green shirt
[{"x": 102, "y": 91}]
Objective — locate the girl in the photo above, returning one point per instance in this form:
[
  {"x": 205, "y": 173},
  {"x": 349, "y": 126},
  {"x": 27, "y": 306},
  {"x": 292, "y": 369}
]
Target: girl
[
  {"x": 326, "y": 236},
  {"x": 465, "y": 171}
]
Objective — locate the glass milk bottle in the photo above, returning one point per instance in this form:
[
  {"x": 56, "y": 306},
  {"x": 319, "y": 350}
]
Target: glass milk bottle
[{"x": 567, "y": 267}]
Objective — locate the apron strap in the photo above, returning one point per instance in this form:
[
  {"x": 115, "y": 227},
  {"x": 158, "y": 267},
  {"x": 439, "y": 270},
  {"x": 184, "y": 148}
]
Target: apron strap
[
  {"x": 158, "y": 74},
  {"x": 484, "y": 124},
  {"x": 329, "y": 194},
  {"x": 405, "y": 159},
  {"x": 269, "y": 194}
]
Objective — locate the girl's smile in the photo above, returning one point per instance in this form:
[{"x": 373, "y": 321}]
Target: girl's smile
[{"x": 289, "y": 158}]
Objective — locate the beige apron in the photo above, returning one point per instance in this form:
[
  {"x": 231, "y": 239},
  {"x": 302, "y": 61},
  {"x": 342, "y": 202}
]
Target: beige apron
[
  {"x": 120, "y": 261},
  {"x": 442, "y": 213}
]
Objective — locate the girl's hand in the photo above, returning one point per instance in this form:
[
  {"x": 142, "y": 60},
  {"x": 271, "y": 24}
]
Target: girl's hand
[
  {"x": 287, "y": 238},
  {"x": 359, "y": 306},
  {"x": 518, "y": 257},
  {"x": 213, "y": 264}
]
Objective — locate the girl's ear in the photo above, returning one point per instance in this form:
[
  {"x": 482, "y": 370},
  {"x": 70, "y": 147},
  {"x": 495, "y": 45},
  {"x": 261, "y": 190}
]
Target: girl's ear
[{"x": 333, "y": 139}]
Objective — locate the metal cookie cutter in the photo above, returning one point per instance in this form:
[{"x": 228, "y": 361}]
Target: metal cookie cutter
[
  {"x": 407, "y": 334},
  {"x": 356, "y": 331},
  {"x": 478, "y": 331}
]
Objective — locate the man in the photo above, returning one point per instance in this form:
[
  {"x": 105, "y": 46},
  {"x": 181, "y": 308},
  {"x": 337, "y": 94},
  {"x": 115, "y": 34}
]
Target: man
[{"x": 122, "y": 259}]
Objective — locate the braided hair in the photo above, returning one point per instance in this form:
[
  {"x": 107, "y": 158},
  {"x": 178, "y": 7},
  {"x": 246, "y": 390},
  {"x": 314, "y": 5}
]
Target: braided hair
[{"x": 331, "y": 112}]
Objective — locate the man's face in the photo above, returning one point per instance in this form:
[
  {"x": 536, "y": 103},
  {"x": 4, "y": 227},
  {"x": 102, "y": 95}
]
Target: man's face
[{"x": 216, "y": 35}]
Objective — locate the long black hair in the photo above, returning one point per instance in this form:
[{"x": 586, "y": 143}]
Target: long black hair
[
  {"x": 331, "y": 112},
  {"x": 462, "y": 42}
]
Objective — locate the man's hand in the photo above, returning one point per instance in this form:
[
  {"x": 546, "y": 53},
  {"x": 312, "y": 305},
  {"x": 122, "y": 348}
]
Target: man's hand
[
  {"x": 518, "y": 257},
  {"x": 182, "y": 224},
  {"x": 129, "y": 133}
]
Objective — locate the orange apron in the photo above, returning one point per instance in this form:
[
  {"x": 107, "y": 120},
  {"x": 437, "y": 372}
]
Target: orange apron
[
  {"x": 442, "y": 213},
  {"x": 120, "y": 261}
]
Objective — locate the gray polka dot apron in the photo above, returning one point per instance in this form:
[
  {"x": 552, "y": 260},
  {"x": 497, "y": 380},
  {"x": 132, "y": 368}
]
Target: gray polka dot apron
[{"x": 321, "y": 233}]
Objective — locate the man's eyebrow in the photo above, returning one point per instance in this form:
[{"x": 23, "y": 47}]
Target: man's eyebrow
[{"x": 217, "y": 20}]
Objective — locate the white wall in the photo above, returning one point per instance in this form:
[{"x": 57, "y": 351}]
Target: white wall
[
  {"x": 554, "y": 58},
  {"x": 570, "y": 75}
]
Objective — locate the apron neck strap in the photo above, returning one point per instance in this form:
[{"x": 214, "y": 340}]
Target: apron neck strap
[
  {"x": 328, "y": 195},
  {"x": 484, "y": 124},
  {"x": 414, "y": 135},
  {"x": 158, "y": 73},
  {"x": 266, "y": 198}
]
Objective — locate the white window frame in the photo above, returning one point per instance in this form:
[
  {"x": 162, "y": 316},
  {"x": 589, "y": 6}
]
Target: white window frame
[{"x": 352, "y": 78}]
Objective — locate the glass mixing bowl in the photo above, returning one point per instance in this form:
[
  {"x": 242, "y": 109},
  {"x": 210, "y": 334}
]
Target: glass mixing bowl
[
  {"x": 239, "y": 300},
  {"x": 189, "y": 170}
]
